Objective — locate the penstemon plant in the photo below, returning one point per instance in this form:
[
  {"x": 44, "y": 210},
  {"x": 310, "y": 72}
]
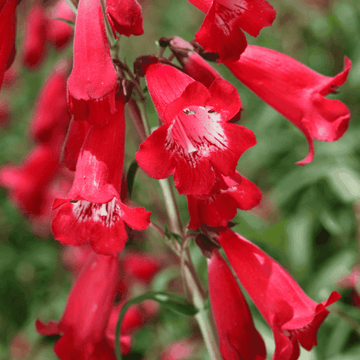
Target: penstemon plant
[{"x": 84, "y": 172}]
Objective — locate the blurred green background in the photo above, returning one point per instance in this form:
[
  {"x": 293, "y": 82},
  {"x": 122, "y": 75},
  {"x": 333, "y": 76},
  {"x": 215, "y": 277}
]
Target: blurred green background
[{"x": 308, "y": 222}]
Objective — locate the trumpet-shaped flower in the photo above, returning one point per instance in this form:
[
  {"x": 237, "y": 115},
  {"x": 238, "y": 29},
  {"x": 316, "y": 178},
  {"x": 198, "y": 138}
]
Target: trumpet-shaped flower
[
  {"x": 296, "y": 92},
  {"x": 221, "y": 31},
  {"x": 93, "y": 210},
  {"x": 239, "y": 340},
  {"x": 293, "y": 317},
  {"x": 34, "y": 46},
  {"x": 93, "y": 81},
  {"x": 219, "y": 207},
  {"x": 83, "y": 325},
  {"x": 195, "y": 142}
]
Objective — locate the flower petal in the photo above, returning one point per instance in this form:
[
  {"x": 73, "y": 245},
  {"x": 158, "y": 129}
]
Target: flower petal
[
  {"x": 93, "y": 81},
  {"x": 296, "y": 92},
  {"x": 220, "y": 31}
]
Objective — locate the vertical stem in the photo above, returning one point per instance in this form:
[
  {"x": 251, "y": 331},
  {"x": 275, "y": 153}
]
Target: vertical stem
[
  {"x": 171, "y": 207},
  {"x": 191, "y": 278},
  {"x": 203, "y": 319}
]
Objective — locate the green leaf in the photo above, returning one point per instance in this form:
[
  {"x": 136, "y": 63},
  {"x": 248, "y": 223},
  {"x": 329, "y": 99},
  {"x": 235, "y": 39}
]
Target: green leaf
[
  {"x": 174, "y": 302},
  {"x": 131, "y": 176},
  {"x": 71, "y": 23}
]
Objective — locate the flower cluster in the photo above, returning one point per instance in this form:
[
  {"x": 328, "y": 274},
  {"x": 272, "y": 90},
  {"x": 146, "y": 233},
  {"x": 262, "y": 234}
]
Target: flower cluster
[{"x": 74, "y": 175}]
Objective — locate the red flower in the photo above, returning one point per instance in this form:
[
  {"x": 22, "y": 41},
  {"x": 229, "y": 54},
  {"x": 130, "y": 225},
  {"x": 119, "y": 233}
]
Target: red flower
[
  {"x": 239, "y": 340},
  {"x": 28, "y": 183},
  {"x": 84, "y": 323},
  {"x": 7, "y": 35},
  {"x": 93, "y": 209},
  {"x": 219, "y": 207},
  {"x": 125, "y": 17},
  {"x": 221, "y": 30},
  {"x": 93, "y": 82},
  {"x": 196, "y": 142},
  {"x": 141, "y": 266},
  {"x": 192, "y": 63},
  {"x": 296, "y": 91},
  {"x": 51, "y": 111},
  {"x": 59, "y": 33},
  {"x": 34, "y": 47},
  {"x": 293, "y": 317}
]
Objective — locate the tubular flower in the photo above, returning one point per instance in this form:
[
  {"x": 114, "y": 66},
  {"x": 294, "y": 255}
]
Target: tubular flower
[
  {"x": 28, "y": 183},
  {"x": 59, "y": 33},
  {"x": 296, "y": 92},
  {"x": 219, "y": 207},
  {"x": 51, "y": 112},
  {"x": 192, "y": 63},
  {"x": 239, "y": 340},
  {"x": 221, "y": 31},
  {"x": 125, "y": 17},
  {"x": 93, "y": 210},
  {"x": 196, "y": 142},
  {"x": 93, "y": 81},
  {"x": 34, "y": 48},
  {"x": 7, "y": 35},
  {"x": 84, "y": 323},
  {"x": 141, "y": 266},
  {"x": 293, "y": 317}
]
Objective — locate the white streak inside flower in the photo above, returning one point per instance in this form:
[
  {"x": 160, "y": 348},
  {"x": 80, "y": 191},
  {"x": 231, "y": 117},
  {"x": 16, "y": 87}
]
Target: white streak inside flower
[
  {"x": 196, "y": 132},
  {"x": 108, "y": 214}
]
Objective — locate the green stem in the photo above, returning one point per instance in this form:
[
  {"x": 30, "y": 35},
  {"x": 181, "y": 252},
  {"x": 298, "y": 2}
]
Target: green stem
[
  {"x": 171, "y": 207},
  {"x": 73, "y": 7},
  {"x": 202, "y": 318},
  {"x": 190, "y": 277}
]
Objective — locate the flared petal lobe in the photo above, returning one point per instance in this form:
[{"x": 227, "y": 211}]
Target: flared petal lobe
[
  {"x": 125, "y": 16},
  {"x": 196, "y": 142},
  {"x": 93, "y": 81},
  {"x": 221, "y": 31},
  {"x": 296, "y": 92},
  {"x": 84, "y": 322},
  {"x": 239, "y": 340},
  {"x": 219, "y": 207},
  {"x": 293, "y": 317},
  {"x": 93, "y": 210}
]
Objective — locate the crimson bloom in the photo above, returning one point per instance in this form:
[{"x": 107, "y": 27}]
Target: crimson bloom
[
  {"x": 28, "y": 183},
  {"x": 125, "y": 16},
  {"x": 34, "y": 47},
  {"x": 296, "y": 92},
  {"x": 141, "y": 266},
  {"x": 196, "y": 142},
  {"x": 219, "y": 207},
  {"x": 51, "y": 111},
  {"x": 221, "y": 31},
  {"x": 293, "y": 317},
  {"x": 93, "y": 81},
  {"x": 83, "y": 325},
  {"x": 93, "y": 210},
  {"x": 7, "y": 35},
  {"x": 239, "y": 340},
  {"x": 59, "y": 33}
]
